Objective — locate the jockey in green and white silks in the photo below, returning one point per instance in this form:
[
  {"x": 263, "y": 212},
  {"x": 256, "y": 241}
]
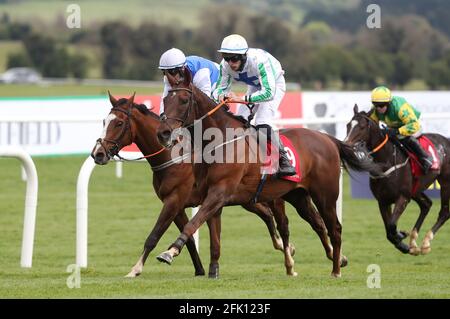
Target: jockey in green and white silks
[
  {"x": 264, "y": 77},
  {"x": 402, "y": 120}
]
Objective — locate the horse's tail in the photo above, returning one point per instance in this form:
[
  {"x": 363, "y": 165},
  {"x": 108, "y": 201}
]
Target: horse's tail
[{"x": 350, "y": 159}]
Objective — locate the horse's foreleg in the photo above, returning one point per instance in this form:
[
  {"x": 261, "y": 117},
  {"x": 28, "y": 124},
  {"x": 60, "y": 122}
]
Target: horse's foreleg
[
  {"x": 393, "y": 234},
  {"x": 214, "y": 225},
  {"x": 212, "y": 203},
  {"x": 391, "y": 228},
  {"x": 444, "y": 215},
  {"x": 167, "y": 215},
  {"x": 425, "y": 204},
  {"x": 181, "y": 220}
]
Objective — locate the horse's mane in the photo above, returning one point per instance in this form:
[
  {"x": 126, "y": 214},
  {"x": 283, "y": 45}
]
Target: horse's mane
[{"x": 140, "y": 107}]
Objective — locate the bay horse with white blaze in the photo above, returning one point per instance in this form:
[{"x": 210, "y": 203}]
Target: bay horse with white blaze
[
  {"x": 397, "y": 185},
  {"x": 174, "y": 184},
  {"x": 222, "y": 183}
]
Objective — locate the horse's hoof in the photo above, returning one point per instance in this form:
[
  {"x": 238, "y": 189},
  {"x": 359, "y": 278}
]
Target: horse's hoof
[
  {"x": 293, "y": 274},
  {"x": 213, "y": 271},
  {"x": 200, "y": 272},
  {"x": 426, "y": 250},
  {"x": 344, "y": 261},
  {"x": 335, "y": 275},
  {"x": 213, "y": 275},
  {"x": 415, "y": 251},
  {"x": 132, "y": 274},
  {"x": 165, "y": 257},
  {"x": 403, "y": 247}
]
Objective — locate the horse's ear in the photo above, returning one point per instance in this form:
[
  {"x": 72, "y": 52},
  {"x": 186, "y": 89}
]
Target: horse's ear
[
  {"x": 370, "y": 112},
  {"x": 112, "y": 99},
  {"x": 187, "y": 77},
  {"x": 355, "y": 109},
  {"x": 131, "y": 99},
  {"x": 171, "y": 79}
]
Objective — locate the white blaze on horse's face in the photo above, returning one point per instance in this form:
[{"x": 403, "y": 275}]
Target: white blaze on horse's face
[
  {"x": 353, "y": 123},
  {"x": 108, "y": 120}
]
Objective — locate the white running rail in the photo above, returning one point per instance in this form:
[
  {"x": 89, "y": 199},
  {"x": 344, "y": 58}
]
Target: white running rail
[{"x": 29, "y": 222}]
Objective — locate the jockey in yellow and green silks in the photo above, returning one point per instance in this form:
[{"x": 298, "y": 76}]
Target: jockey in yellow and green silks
[{"x": 402, "y": 120}]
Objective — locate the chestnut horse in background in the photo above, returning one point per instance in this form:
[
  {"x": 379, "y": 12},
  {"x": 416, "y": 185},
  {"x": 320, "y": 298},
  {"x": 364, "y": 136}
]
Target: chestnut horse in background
[
  {"x": 395, "y": 185},
  {"x": 222, "y": 183},
  {"x": 173, "y": 182}
]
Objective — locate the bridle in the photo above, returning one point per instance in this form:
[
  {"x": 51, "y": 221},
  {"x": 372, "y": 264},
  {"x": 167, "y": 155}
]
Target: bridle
[
  {"x": 382, "y": 144},
  {"x": 164, "y": 117},
  {"x": 114, "y": 150}
]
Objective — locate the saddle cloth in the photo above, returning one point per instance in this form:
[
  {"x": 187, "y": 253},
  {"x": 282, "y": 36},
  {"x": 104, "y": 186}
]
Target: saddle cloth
[{"x": 272, "y": 163}]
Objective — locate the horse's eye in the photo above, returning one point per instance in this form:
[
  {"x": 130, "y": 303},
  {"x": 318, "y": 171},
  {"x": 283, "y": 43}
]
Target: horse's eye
[
  {"x": 120, "y": 123},
  {"x": 183, "y": 101}
]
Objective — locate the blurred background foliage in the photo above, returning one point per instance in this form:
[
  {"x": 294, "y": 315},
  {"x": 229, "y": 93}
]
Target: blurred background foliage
[{"x": 322, "y": 44}]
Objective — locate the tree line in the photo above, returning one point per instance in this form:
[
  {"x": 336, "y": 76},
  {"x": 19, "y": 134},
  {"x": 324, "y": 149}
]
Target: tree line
[{"x": 313, "y": 53}]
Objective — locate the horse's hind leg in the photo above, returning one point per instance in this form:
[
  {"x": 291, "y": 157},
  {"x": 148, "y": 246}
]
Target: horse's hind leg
[
  {"x": 326, "y": 205},
  {"x": 425, "y": 204},
  {"x": 444, "y": 214},
  {"x": 309, "y": 213},
  {"x": 283, "y": 228},
  {"x": 214, "y": 225},
  {"x": 264, "y": 212}
]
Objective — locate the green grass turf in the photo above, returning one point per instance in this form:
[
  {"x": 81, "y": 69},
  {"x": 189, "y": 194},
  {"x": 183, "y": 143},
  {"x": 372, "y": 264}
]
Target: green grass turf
[{"x": 121, "y": 212}]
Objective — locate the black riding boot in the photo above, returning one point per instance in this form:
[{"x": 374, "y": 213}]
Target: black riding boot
[
  {"x": 285, "y": 168},
  {"x": 425, "y": 160}
]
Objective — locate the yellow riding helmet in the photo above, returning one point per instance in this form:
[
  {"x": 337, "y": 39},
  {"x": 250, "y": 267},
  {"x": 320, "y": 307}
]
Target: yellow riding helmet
[{"x": 381, "y": 94}]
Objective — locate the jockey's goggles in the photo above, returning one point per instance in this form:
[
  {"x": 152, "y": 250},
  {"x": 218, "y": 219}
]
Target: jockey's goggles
[{"x": 233, "y": 58}]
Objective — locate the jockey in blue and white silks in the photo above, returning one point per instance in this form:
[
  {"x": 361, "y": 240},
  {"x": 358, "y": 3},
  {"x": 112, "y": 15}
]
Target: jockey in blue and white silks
[
  {"x": 204, "y": 72},
  {"x": 264, "y": 77}
]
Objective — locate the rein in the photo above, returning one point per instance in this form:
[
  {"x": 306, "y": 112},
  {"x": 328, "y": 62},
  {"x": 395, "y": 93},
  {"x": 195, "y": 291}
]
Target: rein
[
  {"x": 380, "y": 146},
  {"x": 164, "y": 117}
]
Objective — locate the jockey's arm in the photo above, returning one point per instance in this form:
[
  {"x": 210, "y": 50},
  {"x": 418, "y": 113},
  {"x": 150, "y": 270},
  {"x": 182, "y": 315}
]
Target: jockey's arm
[
  {"x": 266, "y": 75},
  {"x": 411, "y": 124},
  {"x": 223, "y": 84},
  {"x": 202, "y": 80},
  {"x": 167, "y": 87}
]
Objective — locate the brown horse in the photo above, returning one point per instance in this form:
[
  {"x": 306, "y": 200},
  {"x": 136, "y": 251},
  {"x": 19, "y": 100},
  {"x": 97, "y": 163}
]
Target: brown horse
[
  {"x": 395, "y": 185},
  {"x": 173, "y": 182},
  {"x": 221, "y": 183}
]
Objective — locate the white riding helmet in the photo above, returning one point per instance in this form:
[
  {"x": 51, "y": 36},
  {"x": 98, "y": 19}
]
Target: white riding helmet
[
  {"x": 234, "y": 44},
  {"x": 172, "y": 58}
]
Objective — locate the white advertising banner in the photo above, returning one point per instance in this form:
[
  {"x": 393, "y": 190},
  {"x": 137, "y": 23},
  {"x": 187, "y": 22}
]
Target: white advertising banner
[
  {"x": 54, "y": 137},
  {"x": 340, "y": 105}
]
